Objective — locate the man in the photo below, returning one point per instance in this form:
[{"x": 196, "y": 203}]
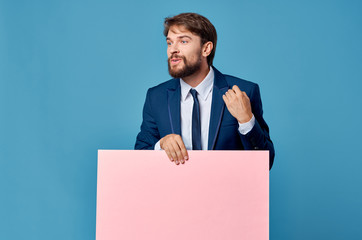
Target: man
[{"x": 188, "y": 111}]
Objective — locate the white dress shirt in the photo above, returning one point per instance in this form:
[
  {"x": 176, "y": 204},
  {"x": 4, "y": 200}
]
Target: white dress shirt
[{"x": 204, "y": 94}]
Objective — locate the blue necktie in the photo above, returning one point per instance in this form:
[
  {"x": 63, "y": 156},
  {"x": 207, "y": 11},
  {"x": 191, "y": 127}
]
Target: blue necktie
[{"x": 196, "y": 124}]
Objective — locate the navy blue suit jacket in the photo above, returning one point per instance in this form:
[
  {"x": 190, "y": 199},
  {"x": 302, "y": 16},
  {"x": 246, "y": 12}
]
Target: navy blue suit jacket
[{"x": 161, "y": 116}]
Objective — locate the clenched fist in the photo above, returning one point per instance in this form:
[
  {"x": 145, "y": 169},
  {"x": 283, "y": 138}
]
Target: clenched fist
[
  {"x": 174, "y": 148},
  {"x": 238, "y": 104}
]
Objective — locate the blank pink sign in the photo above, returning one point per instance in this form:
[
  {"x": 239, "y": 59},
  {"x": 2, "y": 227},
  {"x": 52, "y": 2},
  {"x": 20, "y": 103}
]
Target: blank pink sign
[{"x": 221, "y": 195}]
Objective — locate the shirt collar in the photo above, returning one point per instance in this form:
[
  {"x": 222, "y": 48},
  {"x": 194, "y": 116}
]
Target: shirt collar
[{"x": 203, "y": 89}]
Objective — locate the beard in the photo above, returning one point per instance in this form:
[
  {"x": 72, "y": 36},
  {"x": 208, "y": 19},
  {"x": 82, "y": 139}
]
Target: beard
[{"x": 188, "y": 68}]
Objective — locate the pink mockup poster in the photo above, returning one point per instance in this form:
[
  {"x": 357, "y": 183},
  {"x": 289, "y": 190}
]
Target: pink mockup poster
[{"x": 216, "y": 195}]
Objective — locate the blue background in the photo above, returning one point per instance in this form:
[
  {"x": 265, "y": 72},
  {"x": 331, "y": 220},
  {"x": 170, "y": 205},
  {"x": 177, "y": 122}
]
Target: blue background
[{"x": 74, "y": 76}]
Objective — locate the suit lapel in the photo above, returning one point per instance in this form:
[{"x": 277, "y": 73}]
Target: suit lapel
[
  {"x": 174, "y": 111},
  {"x": 217, "y": 107}
]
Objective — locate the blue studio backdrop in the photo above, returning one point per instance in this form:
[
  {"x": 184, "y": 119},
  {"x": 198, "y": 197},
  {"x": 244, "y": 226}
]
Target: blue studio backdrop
[{"x": 74, "y": 76}]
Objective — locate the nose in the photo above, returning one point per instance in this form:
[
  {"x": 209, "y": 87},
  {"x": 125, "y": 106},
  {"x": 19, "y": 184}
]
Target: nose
[{"x": 174, "y": 49}]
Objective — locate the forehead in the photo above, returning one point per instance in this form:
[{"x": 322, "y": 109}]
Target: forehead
[{"x": 178, "y": 30}]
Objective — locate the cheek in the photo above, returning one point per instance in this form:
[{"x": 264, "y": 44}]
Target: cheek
[
  {"x": 194, "y": 53},
  {"x": 193, "y": 57}
]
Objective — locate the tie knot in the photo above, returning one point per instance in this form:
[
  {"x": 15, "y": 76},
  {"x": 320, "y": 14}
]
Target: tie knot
[{"x": 193, "y": 93}]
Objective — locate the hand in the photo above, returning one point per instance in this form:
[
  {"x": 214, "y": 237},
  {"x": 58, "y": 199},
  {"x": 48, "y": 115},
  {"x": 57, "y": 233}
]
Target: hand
[
  {"x": 238, "y": 104},
  {"x": 174, "y": 148}
]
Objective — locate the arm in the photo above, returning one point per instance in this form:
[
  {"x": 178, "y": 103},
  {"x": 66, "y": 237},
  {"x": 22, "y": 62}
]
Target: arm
[
  {"x": 149, "y": 135},
  {"x": 243, "y": 108}
]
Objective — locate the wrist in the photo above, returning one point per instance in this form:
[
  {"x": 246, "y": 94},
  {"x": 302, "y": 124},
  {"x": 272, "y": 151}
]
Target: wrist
[{"x": 245, "y": 119}]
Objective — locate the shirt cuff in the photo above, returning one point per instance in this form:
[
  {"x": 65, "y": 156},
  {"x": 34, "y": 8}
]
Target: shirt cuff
[
  {"x": 158, "y": 146},
  {"x": 244, "y": 128}
]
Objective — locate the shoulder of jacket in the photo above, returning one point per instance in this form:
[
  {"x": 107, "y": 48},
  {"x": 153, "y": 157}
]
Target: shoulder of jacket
[
  {"x": 172, "y": 83},
  {"x": 231, "y": 80}
]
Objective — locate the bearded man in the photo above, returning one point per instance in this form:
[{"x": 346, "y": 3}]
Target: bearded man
[{"x": 188, "y": 112}]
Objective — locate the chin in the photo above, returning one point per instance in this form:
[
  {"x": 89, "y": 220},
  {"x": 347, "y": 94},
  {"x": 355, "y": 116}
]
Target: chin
[{"x": 176, "y": 72}]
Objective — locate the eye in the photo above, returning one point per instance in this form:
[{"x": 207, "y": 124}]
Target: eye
[
  {"x": 184, "y": 41},
  {"x": 169, "y": 43}
]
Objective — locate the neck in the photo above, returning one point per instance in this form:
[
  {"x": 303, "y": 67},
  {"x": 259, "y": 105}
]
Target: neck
[{"x": 196, "y": 78}]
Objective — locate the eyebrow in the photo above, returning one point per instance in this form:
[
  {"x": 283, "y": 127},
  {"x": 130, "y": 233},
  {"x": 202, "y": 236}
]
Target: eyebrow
[{"x": 183, "y": 36}]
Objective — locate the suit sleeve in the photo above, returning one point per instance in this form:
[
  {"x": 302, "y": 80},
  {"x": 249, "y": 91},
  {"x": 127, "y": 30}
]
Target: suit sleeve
[
  {"x": 149, "y": 135},
  {"x": 258, "y": 138}
]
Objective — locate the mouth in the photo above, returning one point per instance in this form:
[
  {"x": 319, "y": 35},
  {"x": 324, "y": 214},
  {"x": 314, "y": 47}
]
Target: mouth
[{"x": 175, "y": 61}]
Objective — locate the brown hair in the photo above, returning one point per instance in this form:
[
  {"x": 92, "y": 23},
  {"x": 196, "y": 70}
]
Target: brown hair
[{"x": 196, "y": 24}]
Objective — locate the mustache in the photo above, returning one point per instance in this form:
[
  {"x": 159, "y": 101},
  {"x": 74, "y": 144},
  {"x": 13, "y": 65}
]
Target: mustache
[{"x": 176, "y": 56}]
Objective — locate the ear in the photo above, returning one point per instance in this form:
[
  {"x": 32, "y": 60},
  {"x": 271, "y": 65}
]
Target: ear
[{"x": 207, "y": 48}]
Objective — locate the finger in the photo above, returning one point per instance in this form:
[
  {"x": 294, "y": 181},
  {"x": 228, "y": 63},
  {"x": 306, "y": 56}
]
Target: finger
[
  {"x": 231, "y": 94},
  {"x": 245, "y": 95},
  {"x": 177, "y": 149},
  {"x": 168, "y": 154},
  {"x": 226, "y": 100},
  {"x": 173, "y": 153},
  {"x": 185, "y": 155},
  {"x": 228, "y": 94},
  {"x": 166, "y": 148},
  {"x": 236, "y": 89}
]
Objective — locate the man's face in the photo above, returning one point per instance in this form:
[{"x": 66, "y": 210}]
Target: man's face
[{"x": 183, "y": 52}]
